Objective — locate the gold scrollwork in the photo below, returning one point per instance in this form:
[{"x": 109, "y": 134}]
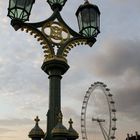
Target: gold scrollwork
[
  {"x": 73, "y": 45},
  {"x": 56, "y": 32}
]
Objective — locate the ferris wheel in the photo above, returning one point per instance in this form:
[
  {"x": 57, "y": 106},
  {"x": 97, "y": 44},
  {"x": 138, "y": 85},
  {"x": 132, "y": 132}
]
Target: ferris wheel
[{"x": 103, "y": 114}]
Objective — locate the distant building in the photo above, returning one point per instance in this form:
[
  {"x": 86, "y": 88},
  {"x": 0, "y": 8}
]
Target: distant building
[{"x": 133, "y": 137}]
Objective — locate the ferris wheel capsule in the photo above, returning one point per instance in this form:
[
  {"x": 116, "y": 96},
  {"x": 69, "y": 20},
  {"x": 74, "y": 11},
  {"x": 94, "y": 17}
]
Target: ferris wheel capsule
[
  {"x": 104, "y": 85},
  {"x": 114, "y": 128},
  {"x": 114, "y": 119},
  {"x": 112, "y": 137},
  {"x": 107, "y": 89}
]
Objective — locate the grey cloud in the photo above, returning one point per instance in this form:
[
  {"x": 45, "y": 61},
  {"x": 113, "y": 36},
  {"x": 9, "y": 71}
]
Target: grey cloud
[
  {"x": 14, "y": 122},
  {"x": 33, "y": 105},
  {"x": 8, "y": 137},
  {"x": 28, "y": 107},
  {"x": 118, "y": 57},
  {"x": 11, "y": 123},
  {"x": 69, "y": 112},
  {"x": 13, "y": 67},
  {"x": 5, "y": 130},
  {"x": 129, "y": 102}
]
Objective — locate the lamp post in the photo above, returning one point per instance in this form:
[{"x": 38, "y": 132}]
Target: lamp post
[{"x": 54, "y": 33}]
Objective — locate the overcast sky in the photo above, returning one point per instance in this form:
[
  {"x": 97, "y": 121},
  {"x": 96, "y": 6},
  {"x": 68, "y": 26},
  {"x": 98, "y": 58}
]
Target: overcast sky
[{"x": 114, "y": 59}]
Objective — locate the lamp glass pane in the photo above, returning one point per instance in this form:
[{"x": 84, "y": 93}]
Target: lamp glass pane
[
  {"x": 28, "y": 8},
  {"x": 98, "y": 21},
  {"x": 19, "y": 13},
  {"x": 61, "y": 2},
  {"x": 85, "y": 18},
  {"x": 29, "y": 2},
  {"x": 21, "y": 3},
  {"x": 80, "y": 21},
  {"x": 12, "y": 3},
  {"x": 52, "y": 1},
  {"x": 28, "y": 5},
  {"x": 93, "y": 31},
  {"x": 93, "y": 17}
]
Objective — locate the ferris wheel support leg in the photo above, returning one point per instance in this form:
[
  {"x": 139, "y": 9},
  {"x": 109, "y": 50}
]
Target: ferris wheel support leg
[{"x": 103, "y": 131}]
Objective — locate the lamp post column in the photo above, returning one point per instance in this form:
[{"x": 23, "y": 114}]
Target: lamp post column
[{"x": 55, "y": 68}]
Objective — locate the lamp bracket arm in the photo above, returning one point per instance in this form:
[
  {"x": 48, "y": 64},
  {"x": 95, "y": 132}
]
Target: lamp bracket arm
[
  {"x": 15, "y": 22},
  {"x": 28, "y": 28},
  {"x": 51, "y": 18},
  {"x": 72, "y": 32},
  {"x": 74, "y": 42}
]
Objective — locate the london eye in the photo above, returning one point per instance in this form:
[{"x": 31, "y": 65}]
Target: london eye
[{"x": 98, "y": 113}]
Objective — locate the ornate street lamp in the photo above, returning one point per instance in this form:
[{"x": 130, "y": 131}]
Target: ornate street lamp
[
  {"x": 57, "y": 39},
  {"x": 20, "y": 9},
  {"x": 88, "y": 16}
]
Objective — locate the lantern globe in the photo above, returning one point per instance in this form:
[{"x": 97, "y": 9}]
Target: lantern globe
[
  {"x": 88, "y": 16},
  {"x": 20, "y": 9},
  {"x": 56, "y": 4}
]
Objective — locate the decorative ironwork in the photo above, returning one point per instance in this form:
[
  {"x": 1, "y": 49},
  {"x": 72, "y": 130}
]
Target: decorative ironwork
[
  {"x": 56, "y": 32},
  {"x": 72, "y": 45},
  {"x": 55, "y": 36},
  {"x": 48, "y": 52}
]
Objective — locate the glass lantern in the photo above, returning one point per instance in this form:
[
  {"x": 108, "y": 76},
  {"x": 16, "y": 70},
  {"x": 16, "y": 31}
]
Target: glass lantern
[
  {"x": 88, "y": 16},
  {"x": 20, "y": 9}
]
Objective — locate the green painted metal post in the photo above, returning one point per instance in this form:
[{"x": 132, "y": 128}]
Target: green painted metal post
[{"x": 55, "y": 69}]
